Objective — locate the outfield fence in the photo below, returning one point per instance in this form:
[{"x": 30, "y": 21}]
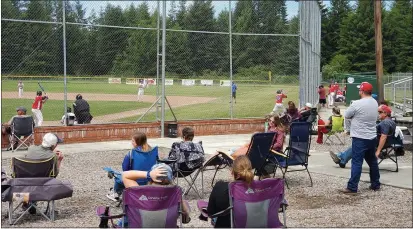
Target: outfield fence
[{"x": 107, "y": 57}]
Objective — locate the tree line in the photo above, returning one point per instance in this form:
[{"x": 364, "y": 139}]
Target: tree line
[
  {"x": 31, "y": 48},
  {"x": 347, "y": 39}
]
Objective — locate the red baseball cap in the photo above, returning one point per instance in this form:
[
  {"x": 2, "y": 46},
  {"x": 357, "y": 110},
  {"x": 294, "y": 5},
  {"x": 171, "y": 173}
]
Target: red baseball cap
[
  {"x": 365, "y": 86},
  {"x": 386, "y": 109}
]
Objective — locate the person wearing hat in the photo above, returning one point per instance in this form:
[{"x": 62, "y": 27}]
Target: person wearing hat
[
  {"x": 279, "y": 107},
  {"x": 386, "y": 127},
  {"x": 362, "y": 114},
  {"x": 46, "y": 151},
  {"x": 81, "y": 109},
  {"x": 37, "y": 107},
  {"x": 21, "y": 113},
  {"x": 160, "y": 174},
  {"x": 20, "y": 86}
]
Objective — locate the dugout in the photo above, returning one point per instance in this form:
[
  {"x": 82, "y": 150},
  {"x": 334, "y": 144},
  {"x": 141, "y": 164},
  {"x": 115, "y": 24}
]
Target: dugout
[{"x": 353, "y": 80}]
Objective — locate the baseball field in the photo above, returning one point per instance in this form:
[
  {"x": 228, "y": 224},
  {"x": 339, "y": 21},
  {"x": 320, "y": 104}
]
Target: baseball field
[{"x": 112, "y": 103}]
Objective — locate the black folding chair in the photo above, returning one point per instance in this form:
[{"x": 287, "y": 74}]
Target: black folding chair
[
  {"x": 21, "y": 127},
  {"x": 389, "y": 151}
]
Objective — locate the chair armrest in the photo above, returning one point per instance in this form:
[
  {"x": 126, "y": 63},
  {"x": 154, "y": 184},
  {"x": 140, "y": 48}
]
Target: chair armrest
[
  {"x": 279, "y": 153},
  {"x": 221, "y": 213},
  {"x": 167, "y": 161},
  {"x": 227, "y": 154},
  {"x": 297, "y": 149},
  {"x": 112, "y": 216}
]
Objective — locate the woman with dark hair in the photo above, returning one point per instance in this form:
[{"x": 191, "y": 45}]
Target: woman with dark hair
[{"x": 141, "y": 157}]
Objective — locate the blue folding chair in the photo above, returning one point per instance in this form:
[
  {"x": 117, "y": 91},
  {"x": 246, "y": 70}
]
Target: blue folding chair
[{"x": 297, "y": 152}]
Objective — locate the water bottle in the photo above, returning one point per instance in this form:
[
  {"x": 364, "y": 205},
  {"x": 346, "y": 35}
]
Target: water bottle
[{"x": 266, "y": 127}]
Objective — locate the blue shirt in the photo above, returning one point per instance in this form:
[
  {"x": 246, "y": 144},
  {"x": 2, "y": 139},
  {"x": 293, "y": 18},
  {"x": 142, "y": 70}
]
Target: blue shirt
[
  {"x": 142, "y": 161},
  {"x": 234, "y": 87}
]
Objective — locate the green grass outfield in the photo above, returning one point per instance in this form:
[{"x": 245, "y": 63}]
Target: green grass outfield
[
  {"x": 54, "y": 109},
  {"x": 252, "y": 100}
]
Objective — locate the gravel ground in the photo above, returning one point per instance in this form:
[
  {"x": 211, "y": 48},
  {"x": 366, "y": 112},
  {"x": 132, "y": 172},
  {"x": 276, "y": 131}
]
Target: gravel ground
[{"x": 317, "y": 206}]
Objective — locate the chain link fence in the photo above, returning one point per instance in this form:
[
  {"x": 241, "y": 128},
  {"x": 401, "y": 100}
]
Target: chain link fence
[
  {"x": 113, "y": 59},
  {"x": 398, "y": 92}
]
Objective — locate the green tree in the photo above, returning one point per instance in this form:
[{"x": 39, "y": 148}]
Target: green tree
[{"x": 357, "y": 37}]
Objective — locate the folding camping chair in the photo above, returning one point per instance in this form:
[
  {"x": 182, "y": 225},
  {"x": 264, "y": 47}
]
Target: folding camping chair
[
  {"x": 145, "y": 207},
  {"x": 219, "y": 161},
  {"x": 389, "y": 150},
  {"x": 297, "y": 152},
  {"x": 337, "y": 128},
  {"x": 185, "y": 173},
  {"x": 259, "y": 150},
  {"x": 35, "y": 189},
  {"x": 22, "y": 168},
  {"x": 21, "y": 127},
  {"x": 253, "y": 206}
]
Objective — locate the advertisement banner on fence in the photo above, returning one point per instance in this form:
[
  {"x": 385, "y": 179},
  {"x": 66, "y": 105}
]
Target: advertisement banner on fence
[
  {"x": 188, "y": 82},
  {"x": 115, "y": 80},
  {"x": 169, "y": 82},
  {"x": 225, "y": 83},
  {"x": 132, "y": 81},
  {"x": 207, "y": 82}
]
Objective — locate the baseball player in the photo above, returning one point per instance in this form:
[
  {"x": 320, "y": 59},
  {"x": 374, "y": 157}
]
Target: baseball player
[
  {"x": 279, "y": 107},
  {"x": 37, "y": 107},
  {"x": 20, "y": 86},
  {"x": 141, "y": 89}
]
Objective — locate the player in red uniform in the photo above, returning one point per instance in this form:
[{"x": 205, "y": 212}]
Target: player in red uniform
[
  {"x": 37, "y": 107},
  {"x": 279, "y": 107}
]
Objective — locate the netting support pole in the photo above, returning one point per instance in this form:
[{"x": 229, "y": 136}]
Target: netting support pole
[
  {"x": 157, "y": 59},
  {"x": 163, "y": 68},
  {"x": 64, "y": 60},
  {"x": 230, "y": 57}
]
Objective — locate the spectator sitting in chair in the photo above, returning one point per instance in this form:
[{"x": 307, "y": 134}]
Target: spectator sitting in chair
[
  {"x": 141, "y": 157},
  {"x": 385, "y": 128},
  {"x": 305, "y": 112},
  {"x": 160, "y": 174},
  {"x": 47, "y": 150},
  {"x": 326, "y": 127},
  {"x": 293, "y": 112},
  {"x": 21, "y": 113},
  {"x": 189, "y": 155}
]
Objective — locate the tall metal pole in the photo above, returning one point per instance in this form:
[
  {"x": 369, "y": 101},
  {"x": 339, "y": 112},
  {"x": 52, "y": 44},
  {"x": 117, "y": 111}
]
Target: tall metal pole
[
  {"x": 379, "y": 50},
  {"x": 230, "y": 56},
  {"x": 157, "y": 58},
  {"x": 64, "y": 60},
  {"x": 163, "y": 68}
]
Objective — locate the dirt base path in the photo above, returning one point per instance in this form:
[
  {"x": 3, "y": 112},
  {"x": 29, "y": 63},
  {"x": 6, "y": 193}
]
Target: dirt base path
[{"x": 175, "y": 101}]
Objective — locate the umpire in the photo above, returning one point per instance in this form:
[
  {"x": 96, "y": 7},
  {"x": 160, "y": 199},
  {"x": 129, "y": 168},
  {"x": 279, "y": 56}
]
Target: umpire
[{"x": 81, "y": 109}]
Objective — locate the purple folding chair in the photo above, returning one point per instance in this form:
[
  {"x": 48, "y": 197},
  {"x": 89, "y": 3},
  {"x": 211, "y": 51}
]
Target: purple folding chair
[
  {"x": 254, "y": 206},
  {"x": 146, "y": 207}
]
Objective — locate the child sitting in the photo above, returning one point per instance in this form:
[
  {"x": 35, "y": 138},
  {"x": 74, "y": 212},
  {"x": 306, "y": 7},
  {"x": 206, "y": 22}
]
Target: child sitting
[{"x": 325, "y": 127}]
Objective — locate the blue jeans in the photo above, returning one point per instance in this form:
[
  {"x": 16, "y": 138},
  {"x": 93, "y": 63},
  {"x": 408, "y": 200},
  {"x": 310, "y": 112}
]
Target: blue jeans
[
  {"x": 345, "y": 156},
  {"x": 363, "y": 149}
]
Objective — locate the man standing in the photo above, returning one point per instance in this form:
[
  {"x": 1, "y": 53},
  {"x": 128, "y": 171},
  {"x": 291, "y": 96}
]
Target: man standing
[
  {"x": 363, "y": 115},
  {"x": 81, "y": 109},
  {"x": 141, "y": 89},
  {"x": 234, "y": 91},
  {"x": 37, "y": 107},
  {"x": 20, "y": 86}
]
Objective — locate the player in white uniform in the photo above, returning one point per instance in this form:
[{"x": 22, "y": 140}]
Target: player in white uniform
[
  {"x": 141, "y": 89},
  {"x": 20, "y": 86}
]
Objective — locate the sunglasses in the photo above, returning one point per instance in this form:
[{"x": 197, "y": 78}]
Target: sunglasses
[{"x": 381, "y": 112}]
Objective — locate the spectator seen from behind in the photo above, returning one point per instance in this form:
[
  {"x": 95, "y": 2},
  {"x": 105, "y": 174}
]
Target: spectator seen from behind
[
  {"x": 21, "y": 113},
  {"x": 46, "y": 151},
  {"x": 363, "y": 116}
]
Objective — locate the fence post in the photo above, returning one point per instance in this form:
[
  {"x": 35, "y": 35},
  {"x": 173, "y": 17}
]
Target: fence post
[
  {"x": 64, "y": 60},
  {"x": 230, "y": 56}
]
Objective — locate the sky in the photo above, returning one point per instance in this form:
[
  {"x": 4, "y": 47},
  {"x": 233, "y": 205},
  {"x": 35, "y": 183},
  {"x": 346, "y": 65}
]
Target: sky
[{"x": 292, "y": 6}]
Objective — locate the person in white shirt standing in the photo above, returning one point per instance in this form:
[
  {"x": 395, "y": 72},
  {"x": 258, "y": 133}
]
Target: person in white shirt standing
[
  {"x": 20, "y": 86},
  {"x": 141, "y": 89}
]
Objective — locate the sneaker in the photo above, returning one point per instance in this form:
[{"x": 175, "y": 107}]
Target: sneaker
[
  {"x": 112, "y": 195},
  {"x": 374, "y": 189},
  {"x": 334, "y": 157},
  {"x": 347, "y": 192},
  {"x": 342, "y": 165}
]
